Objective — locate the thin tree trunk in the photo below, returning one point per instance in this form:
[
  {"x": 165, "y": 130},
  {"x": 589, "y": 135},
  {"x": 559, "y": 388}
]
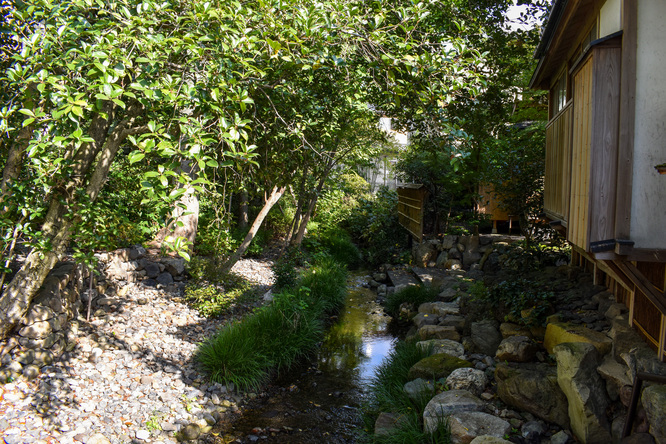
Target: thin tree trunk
[
  {"x": 243, "y": 219},
  {"x": 57, "y": 228},
  {"x": 313, "y": 202},
  {"x": 275, "y": 195}
]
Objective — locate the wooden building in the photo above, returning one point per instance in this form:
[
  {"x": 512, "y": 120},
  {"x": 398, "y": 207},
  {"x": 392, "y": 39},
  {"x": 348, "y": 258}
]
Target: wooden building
[
  {"x": 489, "y": 204},
  {"x": 604, "y": 63}
]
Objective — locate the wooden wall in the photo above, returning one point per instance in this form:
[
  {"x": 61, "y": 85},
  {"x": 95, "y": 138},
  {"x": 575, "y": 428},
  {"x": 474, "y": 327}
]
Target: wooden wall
[
  {"x": 557, "y": 180},
  {"x": 580, "y": 156}
]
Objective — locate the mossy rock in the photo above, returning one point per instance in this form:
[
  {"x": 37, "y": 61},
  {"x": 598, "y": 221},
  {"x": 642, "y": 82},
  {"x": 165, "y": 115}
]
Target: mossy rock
[{"x": 436, "y": 366}]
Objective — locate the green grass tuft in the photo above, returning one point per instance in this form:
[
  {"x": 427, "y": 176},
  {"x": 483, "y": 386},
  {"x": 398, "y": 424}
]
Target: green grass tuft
[
  {"x": 414, "y": 294},
  {"x": 276, "y": 336}
]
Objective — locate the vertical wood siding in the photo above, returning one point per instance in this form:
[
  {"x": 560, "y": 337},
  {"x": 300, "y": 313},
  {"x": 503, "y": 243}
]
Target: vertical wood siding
[
  {"x": 580, "y": 157},
  {"x": 557, "y": 180}
]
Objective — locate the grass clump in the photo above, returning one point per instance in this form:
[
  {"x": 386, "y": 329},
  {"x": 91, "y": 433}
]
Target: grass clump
[
  {"x": 413, "y": 294},
  {"x": 248, "y": 353},
  {"x": 386, "y": 394}
]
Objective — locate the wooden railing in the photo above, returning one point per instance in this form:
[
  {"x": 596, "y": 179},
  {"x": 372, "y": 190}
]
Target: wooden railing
[{"x": 558, "y": 165}]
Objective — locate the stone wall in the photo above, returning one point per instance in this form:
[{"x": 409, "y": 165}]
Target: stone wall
[{"x": 51, "y": 324}]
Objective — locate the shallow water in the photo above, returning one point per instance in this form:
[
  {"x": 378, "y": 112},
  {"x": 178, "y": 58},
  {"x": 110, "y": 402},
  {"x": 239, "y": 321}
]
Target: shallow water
[{"x": 319, "y": 402}]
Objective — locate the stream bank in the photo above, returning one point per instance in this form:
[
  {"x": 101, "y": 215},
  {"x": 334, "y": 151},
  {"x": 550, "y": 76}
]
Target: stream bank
[{"x": 319, "y": 401}]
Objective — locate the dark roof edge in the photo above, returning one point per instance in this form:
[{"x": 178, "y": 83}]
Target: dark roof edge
[{"x": 551, "y": 26}]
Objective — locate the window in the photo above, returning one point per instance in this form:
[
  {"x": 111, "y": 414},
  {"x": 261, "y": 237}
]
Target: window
[{"x": 560, "y": 94}]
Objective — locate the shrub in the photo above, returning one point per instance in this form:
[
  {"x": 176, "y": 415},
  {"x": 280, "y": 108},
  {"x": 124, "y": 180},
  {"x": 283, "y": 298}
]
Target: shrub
[
  {"x": 374, "y": 225},
  {"x": 414, "y": 294},
  {"x": 519, "y": 300}
]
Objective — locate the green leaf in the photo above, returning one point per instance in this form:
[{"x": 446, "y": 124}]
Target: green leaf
[{"x": 136, "y": 156}]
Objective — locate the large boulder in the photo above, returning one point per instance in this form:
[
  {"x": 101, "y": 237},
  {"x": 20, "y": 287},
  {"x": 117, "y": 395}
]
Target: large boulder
[
  {"x": 577, "y": 376},
  {"x": 425, "y": 252},
  {"x": 654, "y": 402},
  {"x": 436, "y": 366},
  {"x": 465, "y": 426},
  {"x": 509, "y": 329},
  {"x": 440, "y": 308},
  {"x": 516, "y": 349},
  {"x": 486, "y": 336},
  {"x": 533, "y": 388},
  {"x": 446, "y": 404},
  {"x": 470, "y": 379},
  {"x": 562, "y": 332},
  {"x": 447, "y": 346},
  {"x": 486, "y": 439},
  {"x": 423, "y": 319},
  {"x": 616, "y": 376}
]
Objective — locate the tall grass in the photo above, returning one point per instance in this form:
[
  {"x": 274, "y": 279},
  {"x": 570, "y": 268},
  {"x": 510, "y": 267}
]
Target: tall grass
[
  {"x": 270, "y": 341},
  {"x": 415, "y": 294},
  {"x": 386, "y": 394}
]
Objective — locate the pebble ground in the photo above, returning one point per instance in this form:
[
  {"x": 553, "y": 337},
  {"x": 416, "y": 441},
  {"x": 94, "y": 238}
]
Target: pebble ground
[{"x": 129, "y": 376}]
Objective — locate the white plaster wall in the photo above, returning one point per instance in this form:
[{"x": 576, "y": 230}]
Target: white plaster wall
[
  {"x": 610, "y": 18},
  {"x": 648, "y": 205}
]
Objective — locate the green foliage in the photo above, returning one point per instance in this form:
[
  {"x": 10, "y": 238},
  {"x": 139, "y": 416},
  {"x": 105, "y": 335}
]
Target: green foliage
[
  {"x": 249, "y": 352},
  {"x": 374, "y": 225},
  {"x": 340, "y": 198},
  {"x": 214, "y": 293},
  {"x": 523, "y": 257},
  {"x": 413, "y": 294},
  {"x": 335, "y": 242},
  {"x": 518, "y": 300},
  {"x": 285, "y": 269}
]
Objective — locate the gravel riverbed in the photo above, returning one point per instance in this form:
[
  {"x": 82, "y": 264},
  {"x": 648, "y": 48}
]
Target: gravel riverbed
[{"x": 128, "y": 375}]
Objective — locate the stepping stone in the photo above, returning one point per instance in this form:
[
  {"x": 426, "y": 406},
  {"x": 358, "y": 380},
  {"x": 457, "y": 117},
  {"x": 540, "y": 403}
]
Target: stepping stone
[
  {"x": 430, "y": 276},
  {"x": 402, "y": 278}
]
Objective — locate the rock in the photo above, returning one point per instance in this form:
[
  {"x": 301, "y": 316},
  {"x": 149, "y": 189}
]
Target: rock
[
  {"x": 191, "y": 431},
  {"x": 175, "y": 266},
  {"x": 516, "y": 349},
  {"x": 441, "y": 259},
  {"x": 577, "y": 376},
  {"x": 447, "y": 346},
  {"x": 42, "y": 358},
  {"x": 458, "y": 322},
  {"x": 436, "y": 366},
  {"x": 616, "y": 376},
  {"x": 532, "y": 431},
  {"x": 438, "y": 332},
  {"x": 446, "y": 404},
  {"x": 30, "y": 372},
  {"x": 654, "y": 402},
  {"x": 142, "y": 435},
  {"x": 533, "y": 388},
  {"x": 386, "y": 423},
  {"x": 165, "y": 279},
  {"x": 422, "y": 319},
  {"x": 508, "y": 329},
  {"x": 558, "y": 333},
  {"x": 485, "y": 439},
  {"x": 152, "y": 269},
  {"x": 440, "y": 308},
  {"x": 448, "y": 242},
  {"x": 39, "y": 330},
  {"x": 616, "y": 309},
  {"x": 560, "y": 437},
  {"x": 465, "y": 426},
  {"x": 470, "y": 379},
  {"x": 98, "y": 438},
  {"x": 453, "y": 264},
  {"x": 26, "y": 358},
  {"x": 471, "y": 257},
  {"x": 419, "y": 389},
  {"x": 136, "y": 252},
  {"x": 448, "y": 294},
  {"x": 639, "y": 438},
  {"x": 486, "y": 336},
  {"x": 38, "y": 313},
  {"x": 424, "y": 252}
]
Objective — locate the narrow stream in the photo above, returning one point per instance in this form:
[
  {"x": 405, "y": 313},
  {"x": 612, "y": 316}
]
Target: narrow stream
[{"x": 320, "y": 401}]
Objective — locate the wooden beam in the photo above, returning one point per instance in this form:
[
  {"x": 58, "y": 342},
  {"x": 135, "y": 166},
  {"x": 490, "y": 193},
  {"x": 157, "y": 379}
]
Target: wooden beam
[
  {"x": 625, "y": 154},
  {"x": 643, "y": 284}
]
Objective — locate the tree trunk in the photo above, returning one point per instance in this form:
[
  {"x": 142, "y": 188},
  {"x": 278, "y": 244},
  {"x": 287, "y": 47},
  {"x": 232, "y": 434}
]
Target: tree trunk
[
  {"x": 306, "y": 217},
  {"x": 57, "y": 227},
  {"x": 276, "y": 194},
  {"x": 243, "y": 219}
]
